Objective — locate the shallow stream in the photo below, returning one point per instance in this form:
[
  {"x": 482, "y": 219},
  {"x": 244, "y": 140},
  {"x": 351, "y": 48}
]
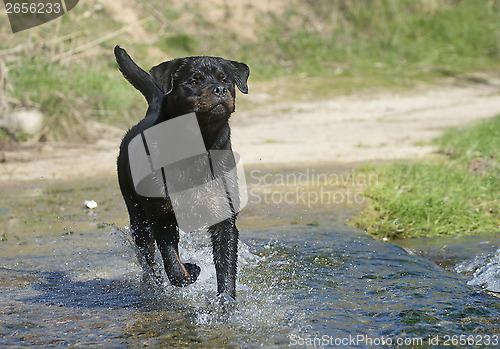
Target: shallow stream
[{"x": 69, "y": 277}]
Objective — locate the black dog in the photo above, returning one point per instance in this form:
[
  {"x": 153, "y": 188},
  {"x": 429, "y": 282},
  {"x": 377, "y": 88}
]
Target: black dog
[{"x": 206, "y": 86}]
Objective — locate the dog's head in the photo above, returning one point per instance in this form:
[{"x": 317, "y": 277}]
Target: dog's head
[{"x": 205, "y": 85}]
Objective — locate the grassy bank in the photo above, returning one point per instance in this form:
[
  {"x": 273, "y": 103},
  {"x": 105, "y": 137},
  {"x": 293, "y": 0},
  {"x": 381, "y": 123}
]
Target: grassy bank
[
  {"x": 390, "y": 40},
  {"x": 66, "y": 67},
  {"x": 76, "y": 96},
  {"x": 456, "y": 194}
]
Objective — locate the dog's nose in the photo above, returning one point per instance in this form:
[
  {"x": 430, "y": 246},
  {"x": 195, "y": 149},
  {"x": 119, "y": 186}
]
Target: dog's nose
[{"x": 219, "y": 90}]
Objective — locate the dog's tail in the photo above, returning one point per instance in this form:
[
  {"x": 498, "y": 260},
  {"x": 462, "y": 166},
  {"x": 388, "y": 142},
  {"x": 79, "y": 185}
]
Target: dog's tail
[{"x": 136, "y": 76}]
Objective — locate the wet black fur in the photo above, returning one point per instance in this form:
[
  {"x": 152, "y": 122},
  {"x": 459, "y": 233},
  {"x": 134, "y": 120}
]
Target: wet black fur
[{"x": 205, "y": 85}]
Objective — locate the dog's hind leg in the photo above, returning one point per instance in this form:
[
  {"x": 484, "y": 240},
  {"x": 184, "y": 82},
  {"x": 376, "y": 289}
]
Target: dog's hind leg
[{"x": 225, "y": 250}]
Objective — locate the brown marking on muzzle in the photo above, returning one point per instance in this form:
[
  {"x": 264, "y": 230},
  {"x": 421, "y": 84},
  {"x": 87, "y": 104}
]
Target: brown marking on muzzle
[{"x": 207, "y": 101}]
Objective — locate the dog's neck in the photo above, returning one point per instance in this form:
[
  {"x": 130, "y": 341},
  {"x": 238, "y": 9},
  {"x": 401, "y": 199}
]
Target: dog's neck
[{"x": 216, "y": 136}]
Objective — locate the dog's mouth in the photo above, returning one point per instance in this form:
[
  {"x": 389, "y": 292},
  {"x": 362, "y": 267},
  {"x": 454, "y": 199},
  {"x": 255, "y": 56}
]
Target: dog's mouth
[
  {"x": 219, "y": 109},
  {"x": 214, "y": 113}
]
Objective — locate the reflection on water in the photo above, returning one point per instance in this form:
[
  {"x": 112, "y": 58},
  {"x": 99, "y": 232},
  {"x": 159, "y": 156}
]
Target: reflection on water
[{"x": 67, "y": 279}]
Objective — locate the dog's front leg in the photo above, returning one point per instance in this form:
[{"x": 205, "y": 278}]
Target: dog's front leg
[
  {"x": 225, "y": 250},
  {"x": 167, "y": 238}
]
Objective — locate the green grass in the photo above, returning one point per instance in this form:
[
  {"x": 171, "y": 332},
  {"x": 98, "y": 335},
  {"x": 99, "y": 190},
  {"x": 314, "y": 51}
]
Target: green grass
[
  {"x": 479, "y": 142},
  {"x": 96, "y": 92},
  {"x": 396, "y": 39},
  {"x": 69, "y": 93},
  {"x": 182, "y": 43},
  {"x": 306, "y": 50},
  {"x": 456, "y": 195}
]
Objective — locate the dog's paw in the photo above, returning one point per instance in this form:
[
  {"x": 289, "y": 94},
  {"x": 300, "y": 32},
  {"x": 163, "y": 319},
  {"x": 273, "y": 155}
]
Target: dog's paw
[
  {"x": 226, "y": 306},
  {"x": 181, "y": 281},
  {"x": 193, "y": 270}
]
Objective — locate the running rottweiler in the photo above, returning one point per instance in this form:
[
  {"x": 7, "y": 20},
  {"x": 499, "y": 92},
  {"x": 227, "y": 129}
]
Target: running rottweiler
[{"x": 206, "y": 86}]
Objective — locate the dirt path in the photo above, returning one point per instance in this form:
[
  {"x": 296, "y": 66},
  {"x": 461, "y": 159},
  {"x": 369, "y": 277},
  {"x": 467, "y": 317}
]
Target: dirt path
[
  {"x": 360, "y": 128},
  {"x": 343, "y": 130}
]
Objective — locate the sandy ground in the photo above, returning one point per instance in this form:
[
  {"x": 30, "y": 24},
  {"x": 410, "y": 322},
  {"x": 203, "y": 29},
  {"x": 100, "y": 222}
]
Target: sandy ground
[
  {"x": 382, "y": 126},
  {"x": 360, "y": 128}
]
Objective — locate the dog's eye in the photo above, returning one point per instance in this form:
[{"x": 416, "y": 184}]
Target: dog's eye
[
  {"x": 222, "y": 78},
  {"x": 196, "y": 79}
]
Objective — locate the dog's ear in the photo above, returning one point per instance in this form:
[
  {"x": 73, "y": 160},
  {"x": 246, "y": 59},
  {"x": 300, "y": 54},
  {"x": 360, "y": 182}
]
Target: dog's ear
[
  {"x": 163, "y": 74},
  {"x": 241, "y": 72}
]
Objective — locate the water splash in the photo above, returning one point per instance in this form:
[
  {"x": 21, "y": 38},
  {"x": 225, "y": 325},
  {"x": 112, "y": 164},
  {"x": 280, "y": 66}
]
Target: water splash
[
  {"x": 259, "y": 306},
  {"x": 485, "y": 270}
]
